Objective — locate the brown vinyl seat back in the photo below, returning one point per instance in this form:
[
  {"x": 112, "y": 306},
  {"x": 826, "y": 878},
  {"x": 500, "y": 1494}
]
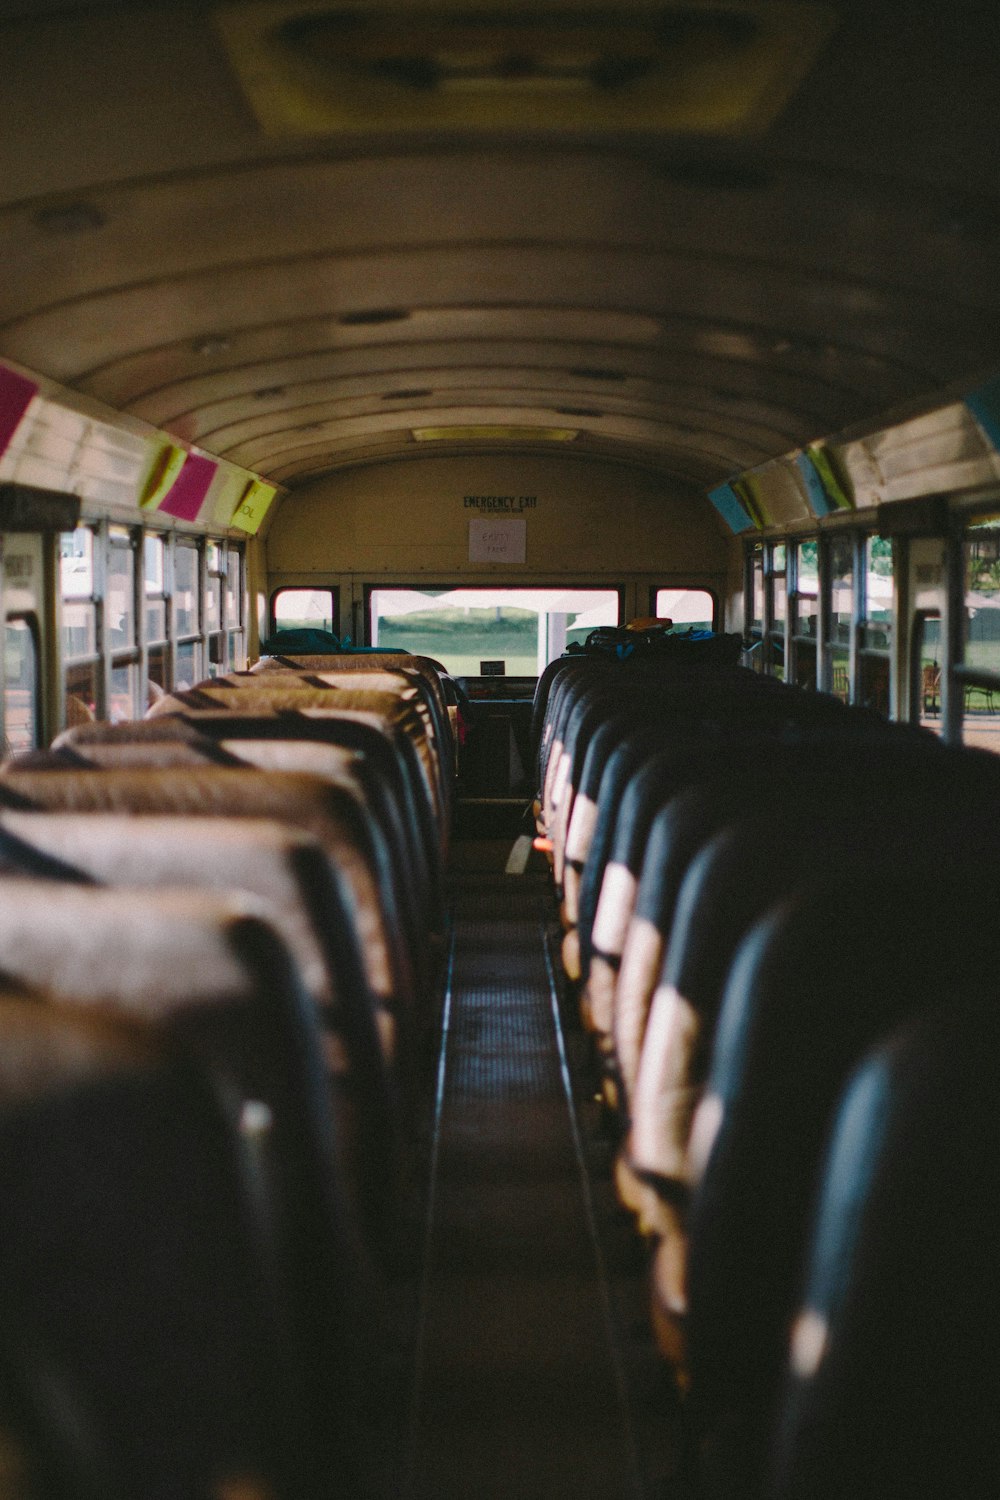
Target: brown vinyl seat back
[
  {"x": 214, "y": 980},
  {"x": 364, "y": 763},
  {"x": 430, "y": 670},
  {"x": 398, "y": 714},
  {"x": 305, "y": 802},
  {"x": 289, "y": 874}
]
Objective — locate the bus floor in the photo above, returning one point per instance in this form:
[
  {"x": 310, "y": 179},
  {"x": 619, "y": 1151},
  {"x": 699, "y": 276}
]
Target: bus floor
[{"x": 534, "y": 1372}]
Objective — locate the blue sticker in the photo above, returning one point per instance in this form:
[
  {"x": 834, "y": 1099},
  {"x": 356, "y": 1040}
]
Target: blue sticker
[{"x": 731, "y": 508}]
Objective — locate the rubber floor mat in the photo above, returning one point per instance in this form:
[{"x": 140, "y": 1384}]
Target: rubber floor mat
[{"x": 518, "y": 1394}]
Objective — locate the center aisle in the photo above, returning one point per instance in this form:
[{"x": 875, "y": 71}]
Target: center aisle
[{"x": 519, "y": 1389}]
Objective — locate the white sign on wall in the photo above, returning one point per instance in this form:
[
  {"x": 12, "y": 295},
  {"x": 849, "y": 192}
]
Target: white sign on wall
[{"x": 497, "y": 540}]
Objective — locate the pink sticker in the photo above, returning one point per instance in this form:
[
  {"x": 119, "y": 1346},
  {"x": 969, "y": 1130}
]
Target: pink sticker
[
  {"x": 187, "y": 494},
  {"x": 16, "y": 392}
]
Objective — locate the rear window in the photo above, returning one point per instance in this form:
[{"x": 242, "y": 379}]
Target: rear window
[{"x": 492, "y": 632}]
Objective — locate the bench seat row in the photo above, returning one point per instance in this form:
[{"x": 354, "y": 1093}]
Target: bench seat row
[
  {"x": 763, "y": 891},
  {"x": 219, "y": 940}
]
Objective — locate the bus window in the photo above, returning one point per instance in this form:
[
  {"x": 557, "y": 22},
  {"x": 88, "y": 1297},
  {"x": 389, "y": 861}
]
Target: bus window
[
  {"x": 82, "y": 665},
  {"x": 22, "y": 687},
  {"x": 155, "y": 588},
  {"x": 874, "y": 657},
  {"x": 120, "y": 625},
  {"x": 303, "y": 609},
  {"x": 186, "y": 624},
  {"x": 214, "y": 605},
  {"x": 690, "y": 609},
  {"x": 805, "y": 613},
  {"x": 517, "y": 632},
  {"x": 776, "y": 585},
  {"x": 234, "y": 593},
  {"x": 925, "y": 669},
  {"x": 841, "y": 597},
  {"x": 980, "y": 675},
  {"x": 754, "y": 633},
  {"x": 154, "y": 571},
  {"x": 124, "y": 689}
]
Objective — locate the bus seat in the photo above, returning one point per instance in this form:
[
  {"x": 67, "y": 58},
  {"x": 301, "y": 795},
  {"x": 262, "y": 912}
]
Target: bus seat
[
  {"x": 844, "y": 824},
  {"x": 409, "y": 686},
  {"x": 135, "y": 1296},
  {"x": 399, "y": 716},
  {"x": 210, "y": 977},
  {"x": 894, "y": 1361},
  {"x": 288, "y": 872},
  {"x": 807, "y": 995},
  {"x": 300, "y": 800},
  {"x": 340, "y": 766},
  {"x": 391, "y": 757},
  {"x": 583, "y": 816}
]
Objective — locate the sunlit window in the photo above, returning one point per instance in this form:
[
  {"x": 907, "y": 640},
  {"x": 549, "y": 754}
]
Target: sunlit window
[
  {"x": 805, "y": 613},
  {"x": 491, "y": 632},
  {"x": 980, "y": 680},
  {"x": 689, "y": 609},
  {"x": 303, "y": 609},
  {"x": 841, "y": 614},
  {"x": 21, "y": 687}
]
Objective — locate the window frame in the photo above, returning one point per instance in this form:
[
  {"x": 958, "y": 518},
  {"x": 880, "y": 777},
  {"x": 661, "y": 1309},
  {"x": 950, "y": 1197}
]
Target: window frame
[
  {"x": 425, "y": 585},
  {"x": 30, "y": 620},
  {"x": 694, "y": 588},
  {"x": 223, "y": 647},
  {"x": 308, "y": 588}
]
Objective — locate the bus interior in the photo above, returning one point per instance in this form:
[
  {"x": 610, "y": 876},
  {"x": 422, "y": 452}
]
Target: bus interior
[{"x": 500, "y": 695}]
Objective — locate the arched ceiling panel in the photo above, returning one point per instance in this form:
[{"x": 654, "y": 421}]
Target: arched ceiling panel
[{"x": 163, "y": 254}]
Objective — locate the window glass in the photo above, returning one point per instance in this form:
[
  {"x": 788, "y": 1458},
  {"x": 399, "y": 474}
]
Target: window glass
[
  {"x": 237, "y": 657},
  {"x": 154, "y": 565},
  {"x": 841, "y": 590},
  {"x": 874, "y": 682},
  {"x": 757, "y": 591},
  {"x": 188, "y": 663},
  {"x": 156, "y": 620},
  {"x": 154, "y": 584},
  {"x": 877, "y": 635},
  {"x": 82, "y": 693},
  {"x": 519, "y": 629},
  {"x": 806, "y": 615},
  {"x": 213, "y": 602},
  {"x": 120, "y": 595},
  {"x": 21, "y": 688},
  {"x": 185, "y": 590},
  {"x": 779, "y": 590},
  {"x": 79, "y": 629},
  {"x": 124, "y": 691},
  {"x": 300, "y": 609},
  {"x": 234, "y": 589},
  {"x": 76, "y": 563},
  {"x": 926, "y": 665},
  {"x": 159, "y": 669},
  {"x": 981, "y": 644},
  {"x": 690, "y": 609},
  {"x": 981, "y": 635}
]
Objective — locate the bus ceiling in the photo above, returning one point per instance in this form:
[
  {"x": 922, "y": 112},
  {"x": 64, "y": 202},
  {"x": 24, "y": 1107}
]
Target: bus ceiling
[{"x": 703, "y": 238}]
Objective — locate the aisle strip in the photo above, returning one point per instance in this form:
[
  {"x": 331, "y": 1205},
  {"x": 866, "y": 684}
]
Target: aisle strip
[{"x": 519, "y": 1388}]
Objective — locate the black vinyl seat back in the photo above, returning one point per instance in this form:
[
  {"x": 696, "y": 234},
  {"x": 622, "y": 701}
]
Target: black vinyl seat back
[
  {"x": 815, "y": 984},
  {"x": 891, "y": 1391}
]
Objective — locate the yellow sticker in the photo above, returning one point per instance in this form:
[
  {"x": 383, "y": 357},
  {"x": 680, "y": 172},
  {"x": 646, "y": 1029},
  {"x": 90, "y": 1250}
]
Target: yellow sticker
[
  {"x": 166, "y": 466},
  {"x": 253, "y": 506}
]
